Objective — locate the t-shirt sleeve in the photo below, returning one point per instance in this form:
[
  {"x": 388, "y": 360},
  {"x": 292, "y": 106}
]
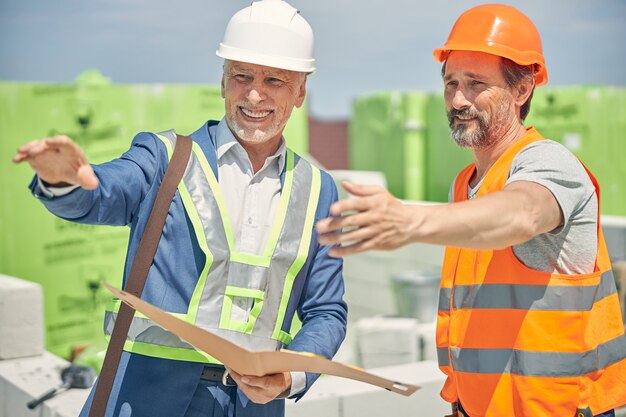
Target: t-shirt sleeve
[{"x": 553, "y": 166}]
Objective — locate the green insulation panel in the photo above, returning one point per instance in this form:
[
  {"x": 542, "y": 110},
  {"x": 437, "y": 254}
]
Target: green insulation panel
[
  {"x": 386, "y": 133},
  {"x": 444, "y": 157},
  {"x": 407, "y": 137},
  {"x": 67, "y": 259},
  {"x": 590, "y": 121}
]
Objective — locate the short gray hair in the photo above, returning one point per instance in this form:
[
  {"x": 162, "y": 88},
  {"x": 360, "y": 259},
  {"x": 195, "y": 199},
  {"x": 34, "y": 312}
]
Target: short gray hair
[{"x": 514, "y": 74}]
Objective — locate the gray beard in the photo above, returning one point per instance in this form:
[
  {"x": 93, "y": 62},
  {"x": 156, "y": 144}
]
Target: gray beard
[
  {"x": 488, "y": 131},
  {"x": 475, "y": 139}
]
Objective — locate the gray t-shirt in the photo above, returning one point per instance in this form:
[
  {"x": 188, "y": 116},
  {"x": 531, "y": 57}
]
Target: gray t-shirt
[{"x": 570, "y": 248}]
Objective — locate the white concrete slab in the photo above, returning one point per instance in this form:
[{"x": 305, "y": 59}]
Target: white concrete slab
[
  {"x": 21, "y": 318},
  {"x": 357, "y": 399},
  {"x": 314, "y": 404},
  {"x": 24, "y": 379}
]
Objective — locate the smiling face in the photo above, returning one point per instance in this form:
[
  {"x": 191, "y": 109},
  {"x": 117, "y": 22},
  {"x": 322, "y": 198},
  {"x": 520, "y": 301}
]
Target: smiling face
[
  {"x": 259, "y": 100},
  {"x": 481, "y": 107}
]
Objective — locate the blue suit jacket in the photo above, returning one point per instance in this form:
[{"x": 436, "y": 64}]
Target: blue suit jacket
[{"x": 128, "y": 187}]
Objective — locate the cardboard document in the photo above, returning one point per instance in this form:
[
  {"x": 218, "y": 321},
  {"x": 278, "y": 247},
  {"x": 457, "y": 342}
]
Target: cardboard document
[{"x": 246, "y": 362}]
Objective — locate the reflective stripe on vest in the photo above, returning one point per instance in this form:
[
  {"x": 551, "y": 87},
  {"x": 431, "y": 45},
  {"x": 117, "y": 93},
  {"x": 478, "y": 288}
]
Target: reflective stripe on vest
[
  {"x": 528, "y": 297},
  {"x": 514, "y": 341},
  {"x": 528, "y": 363},
  {"x": 240, "y": 296}
]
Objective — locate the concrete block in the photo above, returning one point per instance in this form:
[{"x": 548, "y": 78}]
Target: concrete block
[
  {"x": 368, "y": 275},
  {"x": 386, "y": 341},
  {"x": 358, "y": 399},
  {"x": 424, "y": 403},
  {"x": 24, "y": 379},
  {"x": 4, "y": 410},
  {"x": 360, "y": 293},
  {"x": 314, "y": 404},
  {"x": 21, "y": 318}
]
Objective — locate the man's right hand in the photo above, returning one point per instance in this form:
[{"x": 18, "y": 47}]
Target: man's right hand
[{"x": 58, "y": 161}]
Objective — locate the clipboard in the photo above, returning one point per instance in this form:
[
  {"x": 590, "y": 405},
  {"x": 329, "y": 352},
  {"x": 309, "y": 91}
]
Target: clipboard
[{"x": 246, "y": 362}]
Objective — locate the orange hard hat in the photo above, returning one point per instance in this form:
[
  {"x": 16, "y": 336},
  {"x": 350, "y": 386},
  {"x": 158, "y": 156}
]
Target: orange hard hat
[{"x": 500, "y": 30}]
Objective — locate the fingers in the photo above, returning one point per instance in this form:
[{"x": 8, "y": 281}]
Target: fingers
[
  {"x": 328, "y": 227},
  {"x": 356, "y": 216},
  {"x": 59, "y": 141},
  {"x": 353, "y": 234},
  {"x": 58, "y": 160},
  {"x": 236, "y": 376},
  {"x": 373, "y": 220},
  {"x": 256, "y": 394},
  {"x": 361, "y": 190},
  {"x": 256, "y": 381},
  {"x": 19, "y": 157},
  {"x": 87, "y": 178},
  {"x": 262, "y": 389},
  {"x": 361, "y": 239},
  {"x": 349, "y": 213},
  {"x": 341, "y": 251},
  {"x": 37, "y": 147},
  {"x": 363, "y": 194},
  {"x": 30, "y": 150},
  {"x": 347, "y": 205}
]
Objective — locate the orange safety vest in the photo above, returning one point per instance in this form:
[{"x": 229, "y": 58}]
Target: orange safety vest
[{"x": 518, "y": 342}]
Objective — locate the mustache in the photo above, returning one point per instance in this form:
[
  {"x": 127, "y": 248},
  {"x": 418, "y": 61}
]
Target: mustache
[{"x": 469, "y": 112}]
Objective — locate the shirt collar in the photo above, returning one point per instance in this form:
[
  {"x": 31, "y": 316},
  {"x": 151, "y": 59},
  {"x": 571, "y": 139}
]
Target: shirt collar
[{"x": 225, "y": 141}]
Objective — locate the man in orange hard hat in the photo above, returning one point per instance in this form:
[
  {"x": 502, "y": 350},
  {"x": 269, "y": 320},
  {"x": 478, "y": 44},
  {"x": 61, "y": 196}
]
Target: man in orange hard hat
[{"x": 529, "y": 322}]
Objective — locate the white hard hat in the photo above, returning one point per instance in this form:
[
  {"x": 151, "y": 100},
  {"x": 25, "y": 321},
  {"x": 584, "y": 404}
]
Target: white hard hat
[{"x": 270, "y": 33}]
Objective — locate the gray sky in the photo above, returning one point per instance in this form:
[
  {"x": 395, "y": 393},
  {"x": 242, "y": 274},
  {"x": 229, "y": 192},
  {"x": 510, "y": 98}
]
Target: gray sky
[{"x": 361, "y": 46}]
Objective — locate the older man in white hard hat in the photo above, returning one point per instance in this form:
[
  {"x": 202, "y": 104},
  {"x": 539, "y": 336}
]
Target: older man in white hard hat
[{"x": 238, "y": 255}]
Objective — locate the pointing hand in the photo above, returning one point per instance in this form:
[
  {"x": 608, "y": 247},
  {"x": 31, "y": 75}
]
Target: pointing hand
[{"x": 58, "y": 161}]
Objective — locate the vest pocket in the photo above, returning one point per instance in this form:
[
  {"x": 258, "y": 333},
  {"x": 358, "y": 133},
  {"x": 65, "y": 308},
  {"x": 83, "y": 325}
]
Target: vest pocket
[{"x": 241, "y": 308}]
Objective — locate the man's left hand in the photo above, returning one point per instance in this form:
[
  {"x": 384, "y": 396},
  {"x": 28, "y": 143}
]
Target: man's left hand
[{"x": 262, "y": 389}]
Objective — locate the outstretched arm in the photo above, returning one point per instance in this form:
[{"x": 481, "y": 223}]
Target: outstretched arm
[
  {"x": 374, "y": 219},
  {"x": 111, "y": 192}
]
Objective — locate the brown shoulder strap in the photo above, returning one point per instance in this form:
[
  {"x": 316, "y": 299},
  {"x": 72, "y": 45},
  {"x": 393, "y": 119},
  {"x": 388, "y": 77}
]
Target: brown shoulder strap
[{"x": 139, "y": 271}]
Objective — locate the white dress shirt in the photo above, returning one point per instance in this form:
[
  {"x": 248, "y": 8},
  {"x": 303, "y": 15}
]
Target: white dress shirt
[{"x": 251, "y": 199}]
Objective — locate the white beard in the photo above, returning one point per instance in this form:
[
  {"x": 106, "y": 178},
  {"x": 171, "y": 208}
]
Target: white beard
[{"x": 258, "y": 136}]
